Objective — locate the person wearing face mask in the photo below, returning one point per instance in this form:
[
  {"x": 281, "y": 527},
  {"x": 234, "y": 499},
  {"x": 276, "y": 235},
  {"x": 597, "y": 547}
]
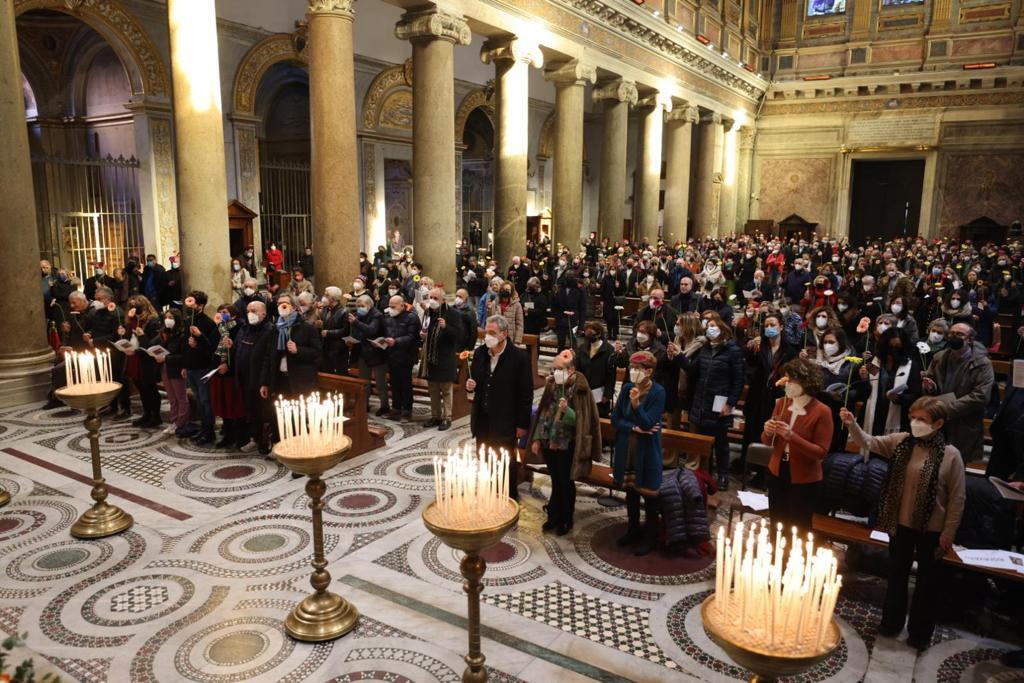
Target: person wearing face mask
[
  {"x": 307, "y": 263},
  {"x": 508, "y": 305},
  {"x": 717, "y": 374},
  {"x": 936, "y": 340},
  {"x": 799, "y": 432},
  {"x": 487, "y": 298},
  {"x": 819, "y": 295},
  {"x": 359, "y": 289},
  {"x": 955, "y": 310},
  {"x": 613, "y": 294},
  {"x": 291, "y": 370},
  {"x": 795, "y": 284},
  {"x": 898, "y": 307},
  {"x": 250, "y": 292},
  {"x": 468, "y": 338},
  {"x": 566, "y": 433},
  {"x": 637, "y": 459},
  {"x": 142, "y": 323},
  {"x": 402, "y": 338},
  {"x": 819, "y": 321},
  {"x": 334, "y": 328},
  {"x": 308, "y": 308},
  {"x": 238, "y": 277},
  {"x": 299, "y": 283},
  {"x": 367, "y": 323},
  {"x": 518, "y": 274},
  {"x": 99, "y": 278},
  {"x": 273, "y": 258},
  {"x": 595, "y": 358},
  {"x": 201, "y": 342},
  {"x": 894, "y": 379},
  {"x": 225, "y": 391},
  {"x": 962, "y": 375},
  {"x": 247, "y": 259},
  {"x": 442, "y": 336},
  {"x": 154, "y": 282},
  {"x": 535, "y": 307},
  {"x": 569, "y": 307},
  {"x": 500, "y": 385},
  {"x": 387, "y": 289},
  {"x": 254, "y": 347},
  {"x": 173, "y": 336},
  {"x": 920, "y": 508},
  {"x": 659, "y": 312}
]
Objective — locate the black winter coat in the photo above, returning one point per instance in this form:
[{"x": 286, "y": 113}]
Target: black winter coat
[
  {"x": 569, "y": 299},
  {"x": 253, "y": 347},
  {"x": 599, "y": 371},
  {"x": 405, "y": 330},
  {"x": 714, "y": 371},
  {"x": 201, "y": 356},
  {"x": 303, "y": 365},
  {"x": 535, "y": 319},
  {"x": 441, "y": 362},
  {"x": 764, "y": 370},
  {"x": 469, "y": 327},
  {"x": 336, "y": 355},
  {"x": 370, "y": 326},
  {"x": 503, "y": 400}
]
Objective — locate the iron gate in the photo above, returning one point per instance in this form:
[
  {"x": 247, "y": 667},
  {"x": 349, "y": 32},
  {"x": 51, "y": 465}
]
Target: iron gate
[{"x": 285, "y": 208}]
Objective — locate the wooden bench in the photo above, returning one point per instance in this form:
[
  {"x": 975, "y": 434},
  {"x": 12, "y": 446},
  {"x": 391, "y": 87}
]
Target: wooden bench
[
  {"x": 851, "y": 532},
  {"x": 365, "y": 437}
]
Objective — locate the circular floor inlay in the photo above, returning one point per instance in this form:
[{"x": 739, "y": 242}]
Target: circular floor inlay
[
  {"x": 234, "y": 471},
  {"x": 502, "y": 552},
  {"x": 657, "y": 563},
  {"x": 237, "y": 648},
  {"x": 425, "y": 470},
  {"x": 358, "y": 501},
  {"x": 264, "y": 543},
  {"x": 8, "y": 523},
  {"x": 61, "y": 558}
]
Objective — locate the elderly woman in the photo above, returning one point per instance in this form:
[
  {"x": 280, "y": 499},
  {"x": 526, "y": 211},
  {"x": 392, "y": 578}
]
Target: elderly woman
[
  {"x": 508, "y": 305},
  {"x": 637, "y": 459},
  {"x": 799, "y": 432},
  {"x": 292, "y": 370},
  {"x": 920, "y": 508},
  {"x": 567, "y": 433},
  {"x": 238, "y": 277}
]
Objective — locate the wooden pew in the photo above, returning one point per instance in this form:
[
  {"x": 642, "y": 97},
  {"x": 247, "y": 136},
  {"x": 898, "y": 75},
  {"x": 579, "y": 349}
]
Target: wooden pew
[
  {"x": 673, "y": 440},
  {"x": 365, "y": 437},
  {"x": 851, "y": 532}
]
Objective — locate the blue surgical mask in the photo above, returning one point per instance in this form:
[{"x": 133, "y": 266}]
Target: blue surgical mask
[
  {"x": 771, "y": 332},
  {"x": 361, "y": 311}
]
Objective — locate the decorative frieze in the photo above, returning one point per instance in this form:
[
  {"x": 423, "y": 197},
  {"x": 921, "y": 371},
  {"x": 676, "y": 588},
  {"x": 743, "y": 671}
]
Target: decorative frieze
[{"x": 657, "y": 99}]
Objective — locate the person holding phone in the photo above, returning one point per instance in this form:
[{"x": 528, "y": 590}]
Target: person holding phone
[{"x": 920, "y": 508}]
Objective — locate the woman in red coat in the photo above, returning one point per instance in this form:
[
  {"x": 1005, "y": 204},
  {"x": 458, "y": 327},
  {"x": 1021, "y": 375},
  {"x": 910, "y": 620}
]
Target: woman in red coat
[
  {"x": 799, "y": 432},
  {"x": 274, "y": 258}
]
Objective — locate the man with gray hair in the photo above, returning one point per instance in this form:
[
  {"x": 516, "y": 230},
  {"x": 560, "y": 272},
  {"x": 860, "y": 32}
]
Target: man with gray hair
[
  {"x": 402, "y": 337},
  {"x": 368, "y": 324},
  {"x": 334, "y": 327},
  {"x": 441, "y": 334},
  {"x": 500, "y": 385}
]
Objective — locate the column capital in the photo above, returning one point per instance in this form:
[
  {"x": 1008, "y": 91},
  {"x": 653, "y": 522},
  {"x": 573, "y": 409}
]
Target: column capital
[
  {"x": 511, "y": 48},
  {"x": 433, "y": 24},
  {"x": 656, "y": 100},
  {"x": 619, "y": 89},
  {"x": 728, "y": 124},
  {"x": 712, "y": 117},
  {"x": 572, "y": 72},
  {"x": 342, "y": 8},
  {"x": 685, "y": 113},
  {"x": 746, "y": 137}
]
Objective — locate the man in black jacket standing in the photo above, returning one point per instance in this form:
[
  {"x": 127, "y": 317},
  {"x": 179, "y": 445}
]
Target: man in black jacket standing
[
  {"x": 367, "y": 325},
  {"x": 442, "y": 334},
  {"x": 401, "y": 334},
  {"x": 334, "y": 317},
  {"x": 202, "y": 342},
  {"x": 501, "y": 410},
  {"x": 569, "y": 306},
  {"x": 292, "y": 369},
  {"x": 254, "y": 343}
]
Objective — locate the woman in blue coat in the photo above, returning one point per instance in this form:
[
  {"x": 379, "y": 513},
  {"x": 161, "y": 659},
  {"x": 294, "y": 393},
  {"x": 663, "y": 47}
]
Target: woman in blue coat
[{"x": 637, "y": 465}]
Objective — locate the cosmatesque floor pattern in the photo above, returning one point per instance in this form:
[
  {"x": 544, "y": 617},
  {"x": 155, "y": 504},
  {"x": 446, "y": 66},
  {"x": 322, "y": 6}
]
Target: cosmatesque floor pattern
[{"x": 198, "y": 589}]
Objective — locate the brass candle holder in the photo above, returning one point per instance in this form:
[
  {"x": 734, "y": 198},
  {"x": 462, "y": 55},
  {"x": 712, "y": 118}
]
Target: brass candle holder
[
  {"x": 322, "y": 615},
  {"x": 5, "y": 497},
  {"x": 102, "y": 519},
  {"x": 473, "y": 565},
  {"x": 767, "y": 665}
]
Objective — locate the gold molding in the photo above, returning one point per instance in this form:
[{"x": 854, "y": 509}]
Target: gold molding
[
  {"x": 843, "y": 149},
  {"x": 272, "y": 50},
  {"x": 480, "y": 97},
  {"x": 384, "y": 83}
]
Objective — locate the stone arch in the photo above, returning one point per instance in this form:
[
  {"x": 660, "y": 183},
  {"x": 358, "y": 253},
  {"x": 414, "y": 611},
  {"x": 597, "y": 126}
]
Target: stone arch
[
  {"x": 280, "y": 47},
  {"x": 546, "y": 145},
  {"x": 388, "y": 98},
  {"x": 147, "y": 71},
  {"x": 480, "y": 97}
]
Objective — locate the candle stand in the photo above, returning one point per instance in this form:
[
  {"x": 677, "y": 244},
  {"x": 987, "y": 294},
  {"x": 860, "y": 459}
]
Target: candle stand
[
  {"x": 767, "y": 664},
  {"x": 5, "y": 497},
  {"x": 322, "y": 615},
  {"x": 102, "y": 519},
  {"x": 472, "y": 541}
]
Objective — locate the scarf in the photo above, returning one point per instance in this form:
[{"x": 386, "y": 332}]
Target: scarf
[
  {"x": 284, "y": 329},
  {"x": 927, "y": 487},
  {"x": 433, "y": 349}
]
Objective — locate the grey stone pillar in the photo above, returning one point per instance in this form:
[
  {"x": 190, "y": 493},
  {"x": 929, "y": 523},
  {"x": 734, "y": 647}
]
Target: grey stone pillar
[
  {"x": 648, "y": 171},
  {"x": 618, "y": 96},
  {"x": 678, "y": 147}
]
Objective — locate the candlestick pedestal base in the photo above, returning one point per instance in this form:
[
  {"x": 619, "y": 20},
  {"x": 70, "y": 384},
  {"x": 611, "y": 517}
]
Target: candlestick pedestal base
[
  {"x": 766, "y": 664},
  {"x": 322, "y": 615},
  {"x": 102, "y": 519},
  {"x": 472, "y": 542},
  {"x": 5, "y": 498}
]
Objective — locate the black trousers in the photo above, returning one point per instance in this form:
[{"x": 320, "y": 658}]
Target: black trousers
[
  {"x": 562, "y": 505},
  {"x": 149, "y": 394},
  {"x": 791, "y": 504},
  {"x": 906, "y": 546},
  {"x": 255, "y": 412},
  {"x": 566, "y": 339},
  {"x": 611, "y": 322},
  {"x": 720, "y": 431},
  {"x": 401, "y": 385}
]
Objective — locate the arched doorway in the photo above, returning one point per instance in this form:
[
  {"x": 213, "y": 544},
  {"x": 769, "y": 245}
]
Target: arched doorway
[
  {"x": 478, "y": 179},
  {"x": 82, "y": 139}
]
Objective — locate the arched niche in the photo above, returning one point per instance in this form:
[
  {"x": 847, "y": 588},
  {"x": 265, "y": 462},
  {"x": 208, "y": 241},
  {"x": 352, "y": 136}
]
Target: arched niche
[
  {"x": 280, "y": 47},
  {"x": 388, "y": 101},
  {"x": 482, "y": 98}
]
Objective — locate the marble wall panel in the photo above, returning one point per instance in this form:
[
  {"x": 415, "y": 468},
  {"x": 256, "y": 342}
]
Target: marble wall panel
[
  {"x": 801, "y": 186},
  {"x": 976, "y": 185}
]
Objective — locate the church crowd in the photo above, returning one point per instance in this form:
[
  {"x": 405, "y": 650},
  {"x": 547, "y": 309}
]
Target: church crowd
[{"x": 821, "y": 346}]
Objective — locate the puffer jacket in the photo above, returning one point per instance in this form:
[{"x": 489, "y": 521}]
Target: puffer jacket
[
  {"x": 714, "y": 371},
  {"x": 852, "y": 485},
  {"x": 684, "y": 508}
]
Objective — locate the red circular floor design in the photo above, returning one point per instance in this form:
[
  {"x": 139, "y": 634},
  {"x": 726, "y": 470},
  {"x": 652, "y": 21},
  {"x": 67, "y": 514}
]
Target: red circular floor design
[
  {"x": 9, "y": 523},
  {"x": 358, "y": 501},
  {"x": 502, "y": 552},
  {"x": 234, "y": 471},
  {"x": 658, "y": 563}
]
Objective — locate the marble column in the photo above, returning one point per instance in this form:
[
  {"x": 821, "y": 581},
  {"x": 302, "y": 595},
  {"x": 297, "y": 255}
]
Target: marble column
[
  {"x": 199, "y": 149},
  {"x": 743, "y": 180},
  {"x": 678, "y": 146},
  {"x": 433, "y": 34},
  {"x": 648, "y": 170},
  {"x": 25, "y": 358},
  {"x": 730, "y": 175},
  {"x": 618, "y": 96},
  {"x": 334, "y": 158},
  {"x": 567, "y": 183},
  {"x": 709, "y": 176},
  {"x": 512, "y": 58}
]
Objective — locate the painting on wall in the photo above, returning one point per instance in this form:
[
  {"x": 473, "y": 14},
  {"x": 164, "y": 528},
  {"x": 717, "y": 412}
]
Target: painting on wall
[{"x": 822, "y": 8}]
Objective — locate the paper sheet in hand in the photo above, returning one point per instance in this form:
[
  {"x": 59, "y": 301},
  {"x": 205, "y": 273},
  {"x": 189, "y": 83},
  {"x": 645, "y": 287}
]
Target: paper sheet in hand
[
  {"x": 1005, "y": 490},
  {"x": 719, "y": 403},
  {"x": 124, "y": 345},
  {"x": 753, "y": 500},
  {"x": 1018, "y": 373},
  {"x": 598, "y": 394},
  {"x": 379, "y": 343},
  {"x": 877, "y": 535},
  {"x": 350, "y": 340},
  {"x": 156, "y": 351},
  {"x": 528, "y": 305}
]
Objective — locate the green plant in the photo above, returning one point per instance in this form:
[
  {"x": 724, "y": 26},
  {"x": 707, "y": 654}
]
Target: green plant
[{"x": 24, "y": 672}]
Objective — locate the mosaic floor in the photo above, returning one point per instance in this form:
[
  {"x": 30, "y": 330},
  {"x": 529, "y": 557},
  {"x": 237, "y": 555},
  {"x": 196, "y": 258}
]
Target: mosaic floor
[{"x": 198, "y": 589}]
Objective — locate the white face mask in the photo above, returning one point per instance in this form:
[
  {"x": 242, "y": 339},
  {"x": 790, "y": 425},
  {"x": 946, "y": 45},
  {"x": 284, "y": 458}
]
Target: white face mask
[
  {"x": 935, "y": 337},
  {"x": 784, "y": 311},
  {"x": 821, "y": 321},
  {"x": 677, "y": 331},
  {"x": 434, "y": 304},
  {"x": 357, "y": 285},
  {"x": 424, "y": 291},
  {"x": 491, "y": 341},
  {"x": 842, "y": 307},
  {"x": 392, "y": 291},
  {"x": 393, "y": 312},
  {"x": 254, "y": 318},
  {"x": 882, "y": 328},
  {"x": 459, "y": 301},
  {"x": 248, "y": 291},
  {"x": 921, "y": 429},
  {"x": 897, "y": 308},
  {"x": 831, "y": 349},
  {"x": 560, "y": 376},
  {"x": 955, "y": 303},
  {"x": 793, "y": 390},
  {"x": 636, "y": 375},
  {"x": 704, "y": 323},
  {"x": 169, "y": 323},
  {"x": 641, "y": 338},
  {"x": 713, "y": 332}
]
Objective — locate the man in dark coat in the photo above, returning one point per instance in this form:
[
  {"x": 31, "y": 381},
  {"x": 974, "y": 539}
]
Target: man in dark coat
[
  {"x": 687, "y": 300},
  {"x": 518, "y": 274},
  {"x": 334, "y": 318},
  {"x": 467, "y": 315},
  {"x": 292, "y": 369},
  {"x": 442, "y": 337},
  {"x": 202, "y": 342},
  {"x": 661, "y": 314},
  {"x": 595, "y": 359},
  {"x": 250, "y": 351},
  {"x": 368, "y": 324},
  {"x": 795, "y": 285},
  {"x": 502, "y": 408},
  {"x": 154, "y": 281},
  {"x": 569, "y": 306},
  {"x": 99, "y": 278},
  {"x": 402, "y": 336}
]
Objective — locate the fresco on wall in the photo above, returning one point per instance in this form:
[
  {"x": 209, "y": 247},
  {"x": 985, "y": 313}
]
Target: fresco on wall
[{"x": 821, "y": 8}]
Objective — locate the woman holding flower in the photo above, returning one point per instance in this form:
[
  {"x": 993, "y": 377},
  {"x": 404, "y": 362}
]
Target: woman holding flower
[{"x": 894, "y": 379}]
